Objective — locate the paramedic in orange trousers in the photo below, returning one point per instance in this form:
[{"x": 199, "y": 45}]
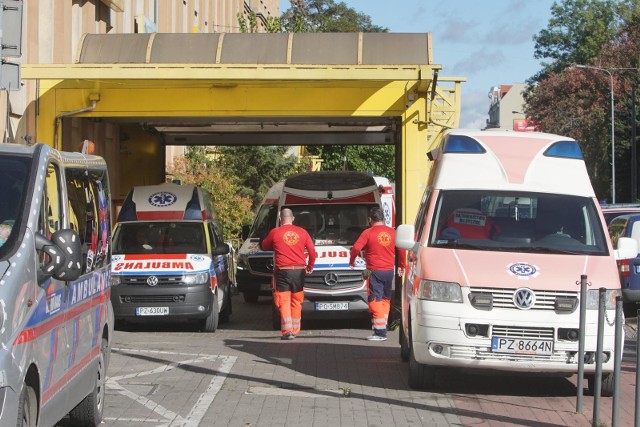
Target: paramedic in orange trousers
[
  {"x": 379, "y": 245},
  {"x": 288, "y": 243}
]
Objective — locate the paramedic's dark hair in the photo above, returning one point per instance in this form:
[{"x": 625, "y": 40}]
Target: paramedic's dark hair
[{"x": 376, "y": 214}]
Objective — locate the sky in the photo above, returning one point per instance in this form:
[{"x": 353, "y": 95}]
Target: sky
[{"x": 488, "y": 42}]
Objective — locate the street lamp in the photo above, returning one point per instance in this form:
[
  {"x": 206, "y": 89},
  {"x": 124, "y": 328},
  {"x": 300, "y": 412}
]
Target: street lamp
[{"x": 613, "y": 138}]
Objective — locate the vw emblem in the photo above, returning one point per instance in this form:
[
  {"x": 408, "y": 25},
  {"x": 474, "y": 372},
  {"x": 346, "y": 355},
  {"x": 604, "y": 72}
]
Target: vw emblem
[
  {"x": 331, "y": 279},
  {"x": 152, "y": 281},
  {"x": 524, "y": 298},
  {"x": 270, "y": 265}
]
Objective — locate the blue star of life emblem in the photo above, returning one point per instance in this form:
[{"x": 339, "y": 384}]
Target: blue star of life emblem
[
  {"x": 522, "y": 269},
  {"x": 162, "y": 199}
]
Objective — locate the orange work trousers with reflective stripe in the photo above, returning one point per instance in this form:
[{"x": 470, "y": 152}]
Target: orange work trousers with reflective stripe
[
  {"x": 380, "y": 315},
  {"x": 290, "y": 307}
]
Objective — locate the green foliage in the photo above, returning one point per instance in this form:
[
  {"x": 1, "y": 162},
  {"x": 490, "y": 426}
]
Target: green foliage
[
  {"x": 576, "y": 102},
  {"x": 326, "y": 16},
  {"x": 575, "y": 33},
  {"x": 376, "y": 159},
  {"x": 257, "y": 168},
  {"x": 232, "y": 209}
]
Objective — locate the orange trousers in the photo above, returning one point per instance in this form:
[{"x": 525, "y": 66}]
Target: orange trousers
[
  {"x": 380, "y": 315},
  {"x": 290, "y": 306}
]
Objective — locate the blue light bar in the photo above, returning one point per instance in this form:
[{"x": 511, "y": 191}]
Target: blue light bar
[
  {"x": 564, "y": 149},
  {"x": 462, "y": 144}
]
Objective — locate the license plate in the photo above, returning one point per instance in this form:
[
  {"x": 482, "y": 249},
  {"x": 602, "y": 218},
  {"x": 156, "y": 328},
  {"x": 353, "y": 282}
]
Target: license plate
[
  {"x": 521, "y": 346},
  {"x": 329, "y": 306},
  {"x": 152, "y": 311}
]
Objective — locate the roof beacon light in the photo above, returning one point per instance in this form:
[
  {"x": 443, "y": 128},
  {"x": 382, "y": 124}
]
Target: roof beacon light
[
  {"x": 462, "y": 144},
  {"x": 565, "y": 149}
]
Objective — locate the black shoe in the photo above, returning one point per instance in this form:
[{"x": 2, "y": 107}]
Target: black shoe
[{"x": 288, "y": 336}]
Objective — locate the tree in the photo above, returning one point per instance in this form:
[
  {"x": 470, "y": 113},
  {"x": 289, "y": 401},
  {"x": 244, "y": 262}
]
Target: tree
[
  {"x": 326, "y": 16},
  {"x": 576, "y": 102},
  {"x": 575, "y": 33},
  {"x": 256, "y": 168},
  {"x": 233, "y": 210},
  {"x": 377, "y": 159}
]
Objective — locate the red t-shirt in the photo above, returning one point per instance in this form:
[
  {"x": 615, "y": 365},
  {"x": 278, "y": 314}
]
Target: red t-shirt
[
  {"x": 379, "y": 244},
  {"x": 288, "y": 242}
]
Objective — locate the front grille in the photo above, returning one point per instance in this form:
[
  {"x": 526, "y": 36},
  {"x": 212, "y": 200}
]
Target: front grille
[
  {"x": 261, "y": 265},
  {"x": 142, "y": 280},
  {"x": 519, "y": 332},
  {"x": 324, "y": 279},
  {"x": 151, "y": 299},
  {"x": 545, "y": 300}
]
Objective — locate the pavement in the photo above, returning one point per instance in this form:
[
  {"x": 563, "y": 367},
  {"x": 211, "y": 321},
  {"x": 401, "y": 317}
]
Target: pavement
[{"x": 244, "y": 375}]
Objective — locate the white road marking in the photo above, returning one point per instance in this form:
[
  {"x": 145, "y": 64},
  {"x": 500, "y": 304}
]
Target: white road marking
[{"x": 170, "y": 418}]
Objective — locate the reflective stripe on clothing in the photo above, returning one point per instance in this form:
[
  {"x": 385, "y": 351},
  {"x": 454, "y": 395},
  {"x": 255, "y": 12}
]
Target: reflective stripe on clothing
[{"x": 290, "y": 307}]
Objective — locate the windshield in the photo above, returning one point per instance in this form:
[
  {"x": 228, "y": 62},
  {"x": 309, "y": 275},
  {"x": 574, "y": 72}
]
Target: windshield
[
  {"x": 265, "y": 221},
  {"x": 517, "y": 221},
  {"x": 159, "y": 238},
  {"x": 332, "y": 224},
  {"x": 13, "y": 175}
]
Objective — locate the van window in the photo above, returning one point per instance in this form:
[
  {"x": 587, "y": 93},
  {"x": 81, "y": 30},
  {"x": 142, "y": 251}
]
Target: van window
[
  {"x": 517, "y": 221},
  {"x": 330, "y": 224},
  {"x": 160, "y": 238},
  {"x": 265, "y": 221},
  {"x": 89, "y": 214},
  {"x": 13, "y": 175}
]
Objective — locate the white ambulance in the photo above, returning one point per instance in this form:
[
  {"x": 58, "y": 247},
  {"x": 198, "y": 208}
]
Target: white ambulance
[
  {"x": 169, "y": 259},
  {"x": 56, "y": 320},
  {"x": 333, "y": 207},
  {"x": 506, "y": 227}
]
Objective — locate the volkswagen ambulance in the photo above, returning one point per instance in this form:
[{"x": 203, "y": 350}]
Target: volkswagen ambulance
[
  {"x": 169, "y": 258},
  {"x": 333, "y": 207},
  {"x": 56, "y": 319},
  {"x": 506, "y": 227}
]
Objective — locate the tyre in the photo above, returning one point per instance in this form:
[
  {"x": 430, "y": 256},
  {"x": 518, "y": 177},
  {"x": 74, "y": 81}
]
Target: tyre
[
  {"x": 210, "y": 324},
  {"x": 250, "y": 296},
  {"x": 227, "y": 309},
  {"x": 89, "y": 411},
  {"x": 275, "y": 317},
  {"x": 27, "y": 407},
  {"x": 421, "y": 376},
  {"x": 606, "y": 387},
  {"x": 404, "y": 345}
]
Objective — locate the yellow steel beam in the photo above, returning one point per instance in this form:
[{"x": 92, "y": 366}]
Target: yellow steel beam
[{"x": 226, "y": 72}]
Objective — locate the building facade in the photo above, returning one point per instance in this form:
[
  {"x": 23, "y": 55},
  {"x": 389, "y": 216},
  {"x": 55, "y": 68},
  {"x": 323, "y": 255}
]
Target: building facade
[
  {"x": 506, "y": 107},
  {"x": 53, "y": 29}
]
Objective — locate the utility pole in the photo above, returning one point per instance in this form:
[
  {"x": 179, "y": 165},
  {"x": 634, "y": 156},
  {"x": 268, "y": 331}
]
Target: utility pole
[{"x": 634, "y": 158}]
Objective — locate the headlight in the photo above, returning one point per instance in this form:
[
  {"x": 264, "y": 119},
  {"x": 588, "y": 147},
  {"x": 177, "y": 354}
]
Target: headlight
[
  {"x": 196, "y": 279},
  {"x": 115, "y": 280},
  {"x": 609, "y": 297},
  {"x": 439, "y": 291}
]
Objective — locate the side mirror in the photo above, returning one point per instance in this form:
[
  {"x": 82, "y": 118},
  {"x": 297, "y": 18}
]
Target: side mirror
[
  {"x": 245, "y": 231},
  {"x": 405, "y": 237},
  {"x": 221, "y": 249},
  {"x": 627, "y": 248},
  {"x": 64, "y": 255}
]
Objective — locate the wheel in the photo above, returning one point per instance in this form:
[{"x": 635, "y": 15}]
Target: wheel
[
  {"x": 404, "y": 345},
  {"x": 420, "y": 376},
  {"x": 227, "y": 310},
  {"x": 275, "y": 317},
  {"x": 27, "y": 407},
  {"x": 210, "y": 324},
  {"x": 251, "y": 296},
  {"x": 606, "y": 387},
  {"x": 89, "y": 411}
]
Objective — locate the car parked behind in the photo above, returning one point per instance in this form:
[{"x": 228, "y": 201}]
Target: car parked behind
[
  {"x": 627, "y": 226},
  {"x": 612, "y": 211}
]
